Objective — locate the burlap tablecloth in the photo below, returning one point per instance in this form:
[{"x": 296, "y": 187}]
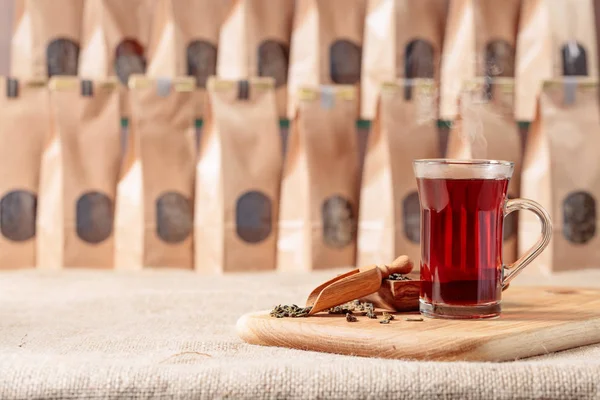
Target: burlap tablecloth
[{"x": 162, "y": 334}]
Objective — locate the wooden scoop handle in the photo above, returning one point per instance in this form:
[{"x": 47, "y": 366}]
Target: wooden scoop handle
[{"x": 401, "y": 265}]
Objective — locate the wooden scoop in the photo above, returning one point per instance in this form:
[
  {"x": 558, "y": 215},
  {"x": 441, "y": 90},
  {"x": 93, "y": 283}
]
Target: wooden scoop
[{"x": 354, "y": 284}]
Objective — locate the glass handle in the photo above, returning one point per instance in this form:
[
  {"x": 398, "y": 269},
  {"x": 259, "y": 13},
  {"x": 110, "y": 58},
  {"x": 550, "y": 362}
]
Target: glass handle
[{"x": 546, "y": 234}]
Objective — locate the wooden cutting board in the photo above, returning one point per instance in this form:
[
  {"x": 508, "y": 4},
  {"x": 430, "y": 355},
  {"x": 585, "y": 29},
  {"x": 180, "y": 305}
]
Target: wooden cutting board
[{"x": 534, "y": 321}]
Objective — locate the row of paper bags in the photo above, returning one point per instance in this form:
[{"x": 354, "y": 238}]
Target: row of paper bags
[
  {"x": 317, "y": 42},
  {"x": 230, "y": 208}
]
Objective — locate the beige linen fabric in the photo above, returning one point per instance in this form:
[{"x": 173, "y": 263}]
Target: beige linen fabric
[{"x": 170, "y": 334}]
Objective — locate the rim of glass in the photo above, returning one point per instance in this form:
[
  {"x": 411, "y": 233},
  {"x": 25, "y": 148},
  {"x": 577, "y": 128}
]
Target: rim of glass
[{"x": 450, "y": 161}]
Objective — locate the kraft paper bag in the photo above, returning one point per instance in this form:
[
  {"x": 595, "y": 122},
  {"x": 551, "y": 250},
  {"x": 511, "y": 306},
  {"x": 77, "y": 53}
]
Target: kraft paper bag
[
  {"x": 403, "y": 39},
  {"x": 403, "y": 130},
  {"x": 486, "y": 129},
  {"x": 556, "y": 38},
  {"x": 480, "y": 41},
  {"x": 561, "y": 172},
  {"x": 115, "y": 35},
  {"x": 255, "y": 41},
  {"x": 319, "y": 196},
  {"x": 24, "y": 129},
  {"x": 184, "y": 41},
  {"x": 46, "y": 37},
  {"x": 155, "y": 194},
  {"x": 327, "y": 42},
  {"x": 79, "y": 171},
  {"x": 238, "y": 178}
]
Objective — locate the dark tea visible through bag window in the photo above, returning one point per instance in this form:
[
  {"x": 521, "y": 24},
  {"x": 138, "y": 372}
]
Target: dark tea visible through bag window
[
  {"x": 79, "y": 174},
  {"x": 253, "y": 217},
  {"x": 129, "y": 59},
  {"x": 570, "y": 193},
  {"x": 62, "y": 57},
  {"x": 174, "y": 217},
  {"x": 46, "y": 37},
  {"x": 17, "y": 215},
  {"x": 192, "y": 48},
  {"x": 154, "y": 211},
  {"x": 327, "y": 43},
  {"x": 403, "y": 39},
  {"x": 238, "y": 178},
  {"x": 24, "y": 128},
  {"x": 95, "y": 214},
  {"x": 579, "y": 217},
  {"x": 344, "y": 58},
  {"x": 201, "y": 59},
  {"x": 389, "y": 219},
  {"x": 255, "y": 41},
  {"x": 319, "y": 197}
]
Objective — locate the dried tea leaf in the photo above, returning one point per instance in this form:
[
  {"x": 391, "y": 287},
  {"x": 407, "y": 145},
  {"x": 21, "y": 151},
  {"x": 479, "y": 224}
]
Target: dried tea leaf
[
  {"x": 384, "y": 321},
  {"x": 371, "y": 314},
  {"x": 414, "y": 319},
  {"x": 350, "y": 318},
  {"x": 388, "y": 316},
  {"x": 339, "y": 310},
  {"x": 292, "y": 311},
  {"x": 398, "y": 277}
]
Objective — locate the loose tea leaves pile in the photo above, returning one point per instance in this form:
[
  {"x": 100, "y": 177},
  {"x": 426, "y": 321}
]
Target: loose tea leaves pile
[
  {"x": 292, "y": 311},
  {"x": 348, "y": 309}
]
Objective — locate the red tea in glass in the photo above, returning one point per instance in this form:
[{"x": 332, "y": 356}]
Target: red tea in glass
[{"x": 463, "y": 205}]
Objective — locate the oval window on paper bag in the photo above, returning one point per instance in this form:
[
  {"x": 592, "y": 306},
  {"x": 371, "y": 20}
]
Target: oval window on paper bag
[
  {"x": 253, "y": 217},
  {"x": 273, "y": 61},
  {"x": 17, "y": 215},
  {"x": 345, "y": 62},
  {"x": 62, "y": 57},
  {"x": 419, "y": 57},
  {"x": 129, "y": 60},
  {"x": 95, "y": 215},
  {"x": 579, "y": 217},
  {"x": 201, "y": 61},
  {"x": 574, "y": 59},
  {"x": 339, "y": 222},
  {"x": 499, "y": 59},
  {"x": 174, "y": 219}
]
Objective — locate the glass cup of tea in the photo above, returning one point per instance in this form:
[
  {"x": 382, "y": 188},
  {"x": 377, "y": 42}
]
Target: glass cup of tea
[{"x": 463, "y": 206}]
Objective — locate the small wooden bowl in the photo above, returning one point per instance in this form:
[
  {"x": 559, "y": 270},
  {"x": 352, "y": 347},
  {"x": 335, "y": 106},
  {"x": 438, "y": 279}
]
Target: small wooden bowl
[{"x": 401, "y": 296}]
